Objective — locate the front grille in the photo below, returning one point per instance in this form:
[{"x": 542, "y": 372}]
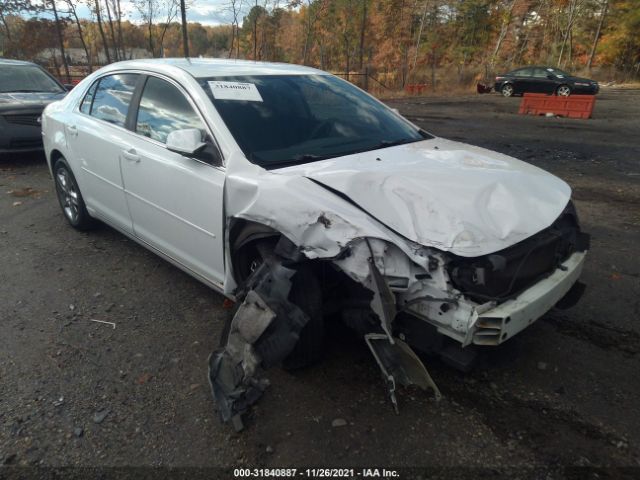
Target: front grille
[
  {"x": 29, "y": 119},
  {"x": 26, "y": 142},
  {"x": 504, "y": 274}
]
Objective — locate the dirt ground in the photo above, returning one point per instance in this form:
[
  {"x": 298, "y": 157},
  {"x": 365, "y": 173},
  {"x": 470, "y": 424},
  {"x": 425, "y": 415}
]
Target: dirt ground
[{"x": 564, "y": 393}]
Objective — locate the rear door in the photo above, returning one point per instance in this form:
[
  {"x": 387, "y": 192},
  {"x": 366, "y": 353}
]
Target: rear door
[
  {"x": 522, "y": 79},
  {"x": 96, "y": 138},
  {"x": 175, "y": 200}
]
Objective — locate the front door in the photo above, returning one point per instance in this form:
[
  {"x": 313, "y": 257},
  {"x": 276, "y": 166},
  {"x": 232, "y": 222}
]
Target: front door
[
  {"x": 176, "y": 202},
  {"x": 543, "y": 84}
]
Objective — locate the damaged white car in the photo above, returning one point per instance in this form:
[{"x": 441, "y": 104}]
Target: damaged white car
[{"x": 303, "y": 198}]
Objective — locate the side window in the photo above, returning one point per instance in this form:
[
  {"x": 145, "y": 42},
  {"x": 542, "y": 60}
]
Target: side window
[
  {"x": 112, "y": 97},
  {"x": 540, "y": 73},
  {"x": 85, "y": 106},
  {"x": 524, "y": 72},
  {"x": 163, "y": 109}
]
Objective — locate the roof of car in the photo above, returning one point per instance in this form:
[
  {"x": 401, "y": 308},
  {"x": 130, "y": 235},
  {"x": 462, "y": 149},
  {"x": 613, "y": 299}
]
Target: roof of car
[
  {"x": 545, "y": 67},
  {"x": 7, "y": 61},
  {"x": 213, "y": 67}
]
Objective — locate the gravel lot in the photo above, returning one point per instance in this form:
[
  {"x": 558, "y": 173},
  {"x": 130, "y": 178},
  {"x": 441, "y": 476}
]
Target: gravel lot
[{"x": 74, "y": 392}]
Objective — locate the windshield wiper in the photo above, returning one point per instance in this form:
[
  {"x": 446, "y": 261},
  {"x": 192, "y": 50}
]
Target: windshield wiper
[
  {"x": 393, "y": 143},
  {"x": 296, "y": 160}
]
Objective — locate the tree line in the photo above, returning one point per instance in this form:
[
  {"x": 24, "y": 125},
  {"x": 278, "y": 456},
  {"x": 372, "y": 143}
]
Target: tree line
[{"x": 394, "y": 41}]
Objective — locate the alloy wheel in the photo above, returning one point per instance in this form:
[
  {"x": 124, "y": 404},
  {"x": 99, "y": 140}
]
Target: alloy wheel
[{"x": 67, "y": 191}]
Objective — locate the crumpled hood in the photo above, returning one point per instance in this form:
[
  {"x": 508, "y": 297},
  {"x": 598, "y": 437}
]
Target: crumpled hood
[{"x": 448, "y": 195}]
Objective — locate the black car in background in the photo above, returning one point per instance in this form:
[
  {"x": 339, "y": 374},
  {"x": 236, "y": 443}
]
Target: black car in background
[
  {"x": 543, "y": 80},
  {"x": 25, "y": 89}
]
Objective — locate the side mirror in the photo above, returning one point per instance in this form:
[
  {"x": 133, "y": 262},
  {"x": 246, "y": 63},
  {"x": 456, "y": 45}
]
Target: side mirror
[
  {"x": 69, "y": 86},
  {"x": 185, "y": 142},
  {"x": 395, "y": 110},
  {"x": 550, "y": 77}
]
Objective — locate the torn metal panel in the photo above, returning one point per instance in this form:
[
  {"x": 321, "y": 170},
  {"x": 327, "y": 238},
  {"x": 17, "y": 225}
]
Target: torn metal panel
[
  {"x": 263, "y": 332},
  {"x": 435, "y": 193},
  {"x": 399, "y": 365},
  {"x": 383, "y": 302}
]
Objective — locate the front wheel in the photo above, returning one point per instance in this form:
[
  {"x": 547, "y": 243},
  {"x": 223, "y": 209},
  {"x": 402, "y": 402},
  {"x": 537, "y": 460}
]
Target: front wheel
[
  {"x": 507, "y": 90},
  {"x": 70, "y": 198},
  {"x": 563, "y": 91}
]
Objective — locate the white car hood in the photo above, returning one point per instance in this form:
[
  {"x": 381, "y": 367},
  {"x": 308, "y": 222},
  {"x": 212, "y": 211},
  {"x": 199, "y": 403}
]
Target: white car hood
[{"x": 455, "y": 197}]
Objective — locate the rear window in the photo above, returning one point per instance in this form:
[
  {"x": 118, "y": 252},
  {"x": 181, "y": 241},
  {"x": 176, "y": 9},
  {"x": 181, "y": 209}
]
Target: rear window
[
  {"x": 112, "y": 98},
  {"x": 523, "y": 72},
  {"x": 85, "y": 106}
]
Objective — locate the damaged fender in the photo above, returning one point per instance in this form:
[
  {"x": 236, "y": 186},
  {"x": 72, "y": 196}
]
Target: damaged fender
[{"x": 263, "y": 331}]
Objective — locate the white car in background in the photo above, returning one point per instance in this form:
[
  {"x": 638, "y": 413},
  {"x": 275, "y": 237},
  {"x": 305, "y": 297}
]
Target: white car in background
[{"x": 300, "y": 195}]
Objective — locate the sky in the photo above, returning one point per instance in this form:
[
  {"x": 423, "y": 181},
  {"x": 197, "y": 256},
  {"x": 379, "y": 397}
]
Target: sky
[{"x": 207, "y": 12}]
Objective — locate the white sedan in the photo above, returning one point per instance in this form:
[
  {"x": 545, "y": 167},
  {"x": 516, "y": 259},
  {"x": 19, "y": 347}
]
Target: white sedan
[{"x": 237, "y": 172}]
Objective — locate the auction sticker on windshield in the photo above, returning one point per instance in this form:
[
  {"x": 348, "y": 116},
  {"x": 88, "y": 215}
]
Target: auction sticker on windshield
[{"x": 246, "y": 92}]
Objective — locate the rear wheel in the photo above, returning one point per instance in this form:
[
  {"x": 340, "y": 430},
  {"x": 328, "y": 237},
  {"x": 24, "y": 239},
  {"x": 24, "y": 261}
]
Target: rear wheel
[
  {"x": 507, "y": 90},
  {"x": 70, "y": 198},
  {"x": 305, "y": 293},
  {"x": 563, "y": 91}
]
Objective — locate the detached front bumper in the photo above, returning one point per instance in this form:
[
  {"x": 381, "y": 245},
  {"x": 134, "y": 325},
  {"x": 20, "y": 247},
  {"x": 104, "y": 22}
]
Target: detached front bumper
[{"x": 502, "y": 322}]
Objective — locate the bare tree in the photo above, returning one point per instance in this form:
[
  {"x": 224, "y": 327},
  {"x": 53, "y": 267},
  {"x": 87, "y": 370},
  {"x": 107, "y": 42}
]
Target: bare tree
[
  {"x": 117, "y": 8},
  {"x": 185, "y": 35},
  {"x": 235, "y": 7},
  {"x": 363, "y": 28},
  {"x": 314, "y": 10},
  {"x": 71, "y": 4},
  {"x": 114, "y": 42},
  {"x": 60, "y": 39},
  {"x": 572, "y": 13},
  {"x": 419, "y": 39},
  {"x": 105, "y": 45},
  {"x": 507, "y": 17},
  {"x": 151, "y": 11},
  {"x": 603, "y": 14},
  {"x": 14, "y": 7}
]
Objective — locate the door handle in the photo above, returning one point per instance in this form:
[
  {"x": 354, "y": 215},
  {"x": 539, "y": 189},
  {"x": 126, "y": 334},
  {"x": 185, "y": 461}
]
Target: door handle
[
  {"x": 73, "y": 130},
  {"x": 131, "y": 155}
]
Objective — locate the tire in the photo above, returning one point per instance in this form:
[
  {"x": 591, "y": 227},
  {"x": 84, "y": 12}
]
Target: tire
[
  {"x": 70, "y": 198},
  {"x": 563, "y": 91},
  {"x": 507, "y": 90},
  {"x": 305, "y": 293}
]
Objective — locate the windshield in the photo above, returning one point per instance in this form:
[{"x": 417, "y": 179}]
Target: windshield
[
  {"x": 281, "y": 120},
  {"x": 26, "y": 78}
]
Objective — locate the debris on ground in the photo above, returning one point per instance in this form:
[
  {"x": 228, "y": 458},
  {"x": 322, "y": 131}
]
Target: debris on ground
[
  {"x": 339, "y": 422},
  {"x": 99, "y": 416},
  {"x": 103, "y": 321}
]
